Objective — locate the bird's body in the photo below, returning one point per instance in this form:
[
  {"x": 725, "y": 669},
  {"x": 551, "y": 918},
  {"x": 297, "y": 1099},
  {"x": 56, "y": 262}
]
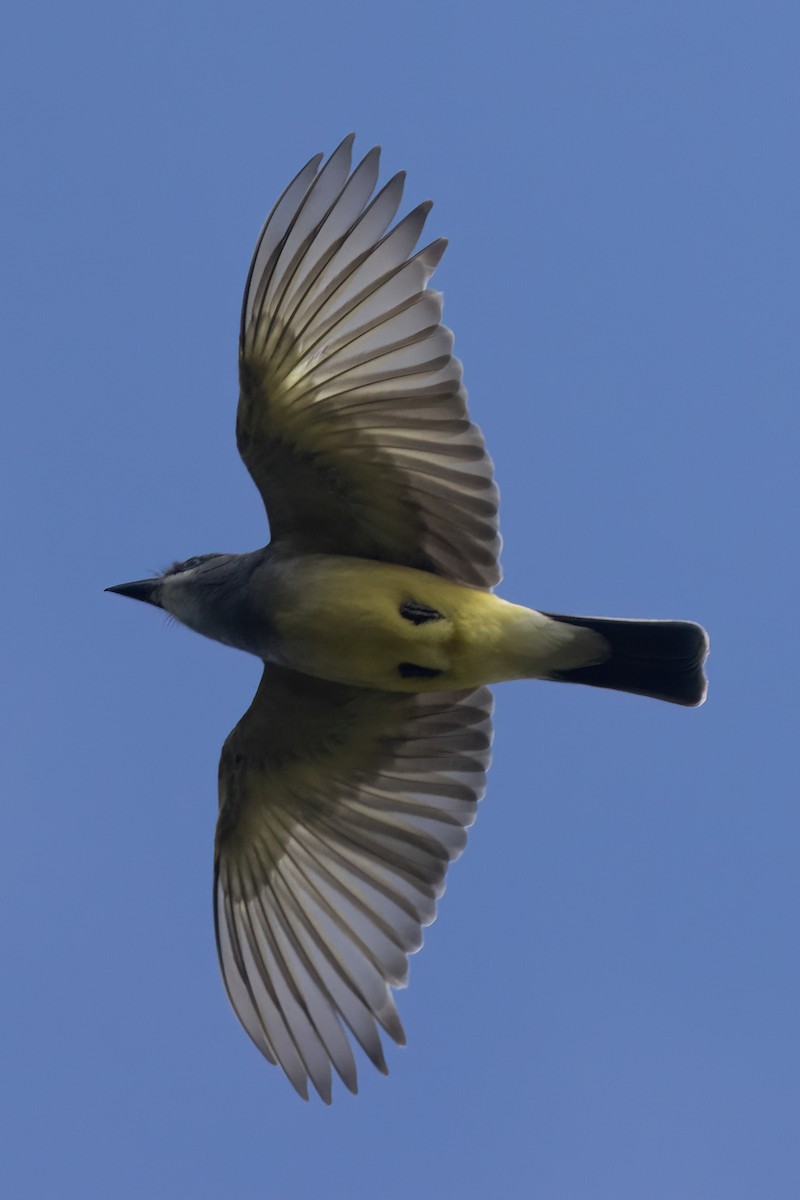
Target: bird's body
[
  {"x": 347, "y": 787},
  {"x": 371, "y": 624}
]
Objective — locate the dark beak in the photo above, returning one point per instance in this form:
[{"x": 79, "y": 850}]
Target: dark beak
[{"x": 141, "y": 589}]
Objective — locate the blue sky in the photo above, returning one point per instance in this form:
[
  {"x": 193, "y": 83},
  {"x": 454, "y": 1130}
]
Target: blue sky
[{"x": 608, "y": 1003}]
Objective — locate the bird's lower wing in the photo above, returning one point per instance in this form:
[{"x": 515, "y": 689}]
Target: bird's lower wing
[{"x": 340, "y": 809}]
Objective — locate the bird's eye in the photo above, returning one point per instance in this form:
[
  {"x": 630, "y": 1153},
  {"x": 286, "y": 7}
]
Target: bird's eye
[{"x": 177, "y": 567}]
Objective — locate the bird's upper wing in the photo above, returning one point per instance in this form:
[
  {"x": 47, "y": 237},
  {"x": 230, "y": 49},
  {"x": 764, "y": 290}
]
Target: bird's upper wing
[
  {"x": 352, "y": 416},
  {"x": 340, "y": 809}
]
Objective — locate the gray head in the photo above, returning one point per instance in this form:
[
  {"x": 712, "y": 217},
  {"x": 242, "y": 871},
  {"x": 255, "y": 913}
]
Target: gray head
[{"x": 208, "y": 592}]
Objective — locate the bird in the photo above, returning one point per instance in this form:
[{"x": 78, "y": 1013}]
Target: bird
[{"x": 348, "y": 786}]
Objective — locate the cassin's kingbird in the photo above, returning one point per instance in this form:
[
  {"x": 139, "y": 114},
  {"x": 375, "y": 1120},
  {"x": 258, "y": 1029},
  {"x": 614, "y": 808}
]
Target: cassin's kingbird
[{"x": 349, "y": 784}]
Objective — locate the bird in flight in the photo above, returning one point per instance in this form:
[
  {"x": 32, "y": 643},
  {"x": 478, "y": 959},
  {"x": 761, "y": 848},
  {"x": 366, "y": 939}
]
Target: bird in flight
[{"x": 349, "y": 784}]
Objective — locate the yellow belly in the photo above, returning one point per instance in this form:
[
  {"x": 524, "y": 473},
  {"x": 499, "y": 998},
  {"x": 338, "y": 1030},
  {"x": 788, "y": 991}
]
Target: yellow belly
[{"x": 343, "y": 619}]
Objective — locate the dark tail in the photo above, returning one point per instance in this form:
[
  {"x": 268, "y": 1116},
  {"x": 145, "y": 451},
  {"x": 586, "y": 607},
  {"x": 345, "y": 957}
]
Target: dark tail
[{"x": 662, "y": 659}]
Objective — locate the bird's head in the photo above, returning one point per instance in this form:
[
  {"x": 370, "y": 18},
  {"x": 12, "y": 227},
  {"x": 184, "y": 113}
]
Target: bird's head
[{"x": 190, "y": 591}]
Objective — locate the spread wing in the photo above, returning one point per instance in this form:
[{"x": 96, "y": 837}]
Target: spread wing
[
  {"x": 352, "y": 416},
  {"x": 340, "y": 810}
]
